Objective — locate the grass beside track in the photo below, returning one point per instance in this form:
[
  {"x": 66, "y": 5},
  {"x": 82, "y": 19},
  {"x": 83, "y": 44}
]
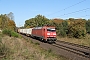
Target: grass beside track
[
  {"x": 21, "y": 49},
  {"x": 84, "y": 41}
]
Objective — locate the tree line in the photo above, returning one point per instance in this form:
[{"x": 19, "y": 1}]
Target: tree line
[{"x": 71, "y": 27}]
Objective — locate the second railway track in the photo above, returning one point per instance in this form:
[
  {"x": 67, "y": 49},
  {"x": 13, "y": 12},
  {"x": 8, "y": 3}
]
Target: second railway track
[
  {"x": 75, "y": 48},
  {"x": 77, "y": 45}
]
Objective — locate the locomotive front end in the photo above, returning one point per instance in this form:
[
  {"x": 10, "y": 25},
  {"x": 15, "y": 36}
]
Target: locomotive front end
[{"x": 51, "y": 35}]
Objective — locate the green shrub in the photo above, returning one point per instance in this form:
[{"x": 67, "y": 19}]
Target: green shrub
[
  {"x": 10, "y": 33},
  {"x": 14, "y": 34},
  {"x": 7, "y": 32}
]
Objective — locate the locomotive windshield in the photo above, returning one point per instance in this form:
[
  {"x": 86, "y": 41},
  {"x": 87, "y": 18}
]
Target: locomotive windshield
[{"x": 51, "y": 29}]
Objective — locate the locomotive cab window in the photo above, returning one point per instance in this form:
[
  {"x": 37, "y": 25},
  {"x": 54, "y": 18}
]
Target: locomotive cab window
[{"x": 51, "y": 30}]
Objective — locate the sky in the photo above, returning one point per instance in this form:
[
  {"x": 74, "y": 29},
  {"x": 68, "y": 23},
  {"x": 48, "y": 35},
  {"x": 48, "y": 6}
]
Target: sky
[{"x": 26, "y": 9}]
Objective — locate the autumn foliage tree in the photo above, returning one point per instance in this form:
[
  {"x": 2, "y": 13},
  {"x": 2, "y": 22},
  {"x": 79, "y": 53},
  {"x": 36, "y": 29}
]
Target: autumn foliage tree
[
  {"x": 6, "y": 22},
  {"x": 77, "y": 28}
]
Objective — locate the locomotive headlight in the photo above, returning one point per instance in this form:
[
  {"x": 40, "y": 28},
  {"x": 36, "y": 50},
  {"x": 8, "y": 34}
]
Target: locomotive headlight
[
  {"x": 54, "y": 34},
  {"x": 48, "y": 33}
]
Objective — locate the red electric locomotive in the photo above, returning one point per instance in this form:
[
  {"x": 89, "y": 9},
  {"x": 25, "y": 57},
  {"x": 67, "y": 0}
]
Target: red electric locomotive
[{"x": 44, "y": 33}]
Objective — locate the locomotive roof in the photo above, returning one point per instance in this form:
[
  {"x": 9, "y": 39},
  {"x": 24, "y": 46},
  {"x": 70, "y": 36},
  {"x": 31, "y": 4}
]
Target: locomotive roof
[
  {"x": 43, "y": 27},
  {"x": 37, "y": 27}
]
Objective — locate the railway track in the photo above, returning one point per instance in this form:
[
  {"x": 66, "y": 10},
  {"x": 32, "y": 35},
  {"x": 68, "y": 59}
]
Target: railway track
[
  {"x": 81, "y": 46},
  {"x": 80, "y": 50}
]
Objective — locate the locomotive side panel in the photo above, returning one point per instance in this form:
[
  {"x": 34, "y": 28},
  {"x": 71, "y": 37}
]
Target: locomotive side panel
[{"x": 38, "y": 33}]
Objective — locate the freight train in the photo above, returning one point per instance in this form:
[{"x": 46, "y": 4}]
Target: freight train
[{"x": 45, "y": 33}]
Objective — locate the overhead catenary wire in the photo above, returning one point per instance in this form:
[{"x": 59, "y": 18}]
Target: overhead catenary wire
[
  {"x": 81, "y": 17},
  {"x": 85, "y": 15},
  {"x": 67, "y": 7},
  {"x": 75, "y": 12}
]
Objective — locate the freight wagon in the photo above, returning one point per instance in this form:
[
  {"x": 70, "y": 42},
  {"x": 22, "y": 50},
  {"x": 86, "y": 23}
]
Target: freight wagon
[
  {"x": 28, "y": 31},
  {"x": 25, "y": 31},
  {"x": 47, "y": 34}
]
